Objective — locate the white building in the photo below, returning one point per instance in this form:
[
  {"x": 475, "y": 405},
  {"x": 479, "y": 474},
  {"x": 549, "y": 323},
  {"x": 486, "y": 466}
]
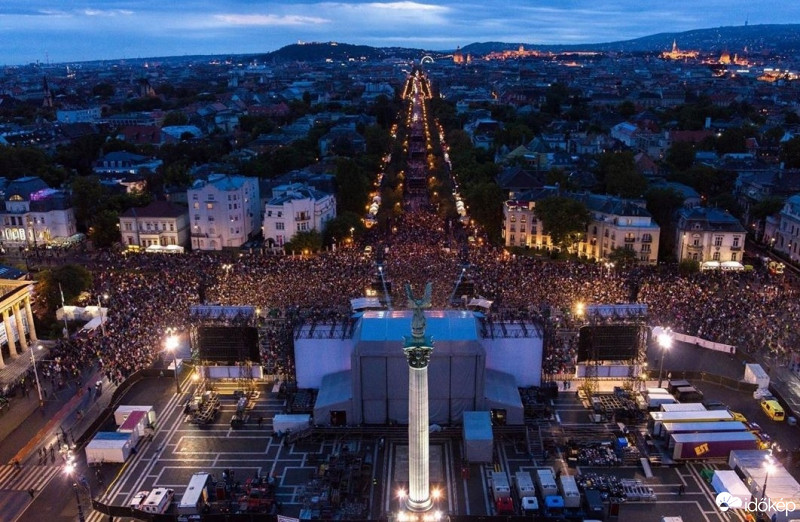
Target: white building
[
  {"x": 787, "y": 238},
  {"x": 616, "y": 223},
  {"x": 82, "y": 115},
  {"x": 160, "y": 223},
  {"x": 223, "y": 211},
  {"x": 296, "y": 208},
  {"x": 35, "y": 214},
  {"x": 709, "y": 234}
]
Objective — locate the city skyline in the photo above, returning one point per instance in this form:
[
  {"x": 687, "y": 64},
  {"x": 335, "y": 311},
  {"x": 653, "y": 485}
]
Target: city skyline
[{"x": 50, "y": 31}]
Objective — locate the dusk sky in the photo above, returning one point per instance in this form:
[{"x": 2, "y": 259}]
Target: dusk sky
[{"x": 75, "y": 30}]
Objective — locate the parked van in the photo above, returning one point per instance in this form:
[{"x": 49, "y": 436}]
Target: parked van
[
  {"x": 137, "y": 499},
  {"x": 158, "y": 501},
  {"x": 773, "y": 410}
]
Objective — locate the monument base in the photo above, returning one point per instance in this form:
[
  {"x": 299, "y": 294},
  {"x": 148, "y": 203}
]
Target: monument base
[{"x": 419, "y": 506}]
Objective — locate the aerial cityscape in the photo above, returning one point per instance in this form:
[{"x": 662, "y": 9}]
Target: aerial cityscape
[{"x": 399, "y": 261}]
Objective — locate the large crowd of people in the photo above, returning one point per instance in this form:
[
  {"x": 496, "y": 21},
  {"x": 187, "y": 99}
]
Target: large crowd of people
[{"x": 149, "y": 293}]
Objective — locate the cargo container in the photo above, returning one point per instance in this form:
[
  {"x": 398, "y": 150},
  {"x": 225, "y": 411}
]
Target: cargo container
[
  {"x": 671, "y": 428},
  {"x": 685, "y": 406},
  {"x": 524, "y": 484},
  {"x": 755, "y": 374},
  {"x": 688, "y": 394},
  {"x": 569, "y": 491},
  {"x": 674, "y": 385},
  {"x": 108, "y": 446},
  {"x": 135, "y": 425},
  {"x": 282, "y": 423},
  {"x": 122, "y": 412},
  {"x": 593, "y": 504},
  {"x": 689, "y": 446},
  {"x": 727, "y": 481},
  {"x": 657, "y": 418},
  {"x": 546, "y": 482},
  {"x": 196, "y": 494},
  {"x": 655, "y": 401},
  {"x": 500, "y": 487}
]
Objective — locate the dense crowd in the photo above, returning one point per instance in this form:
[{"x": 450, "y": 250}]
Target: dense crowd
[{"x": 149, "y": 293}]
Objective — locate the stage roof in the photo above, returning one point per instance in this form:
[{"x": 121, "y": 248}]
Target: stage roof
[{"x": 394, "y": 325}]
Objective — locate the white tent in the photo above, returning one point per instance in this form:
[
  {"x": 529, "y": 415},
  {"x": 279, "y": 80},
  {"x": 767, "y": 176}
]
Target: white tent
[
  {"x": 710, "y": 265},
  {"x": 729, "y": 482},
  {"x": 731, "y": 265},
  {"x": 481, "y": 303}
]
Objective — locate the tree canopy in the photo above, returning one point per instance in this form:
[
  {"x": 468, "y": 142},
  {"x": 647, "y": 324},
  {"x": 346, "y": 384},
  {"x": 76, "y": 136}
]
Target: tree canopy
[{"x": 563, "y": 219}]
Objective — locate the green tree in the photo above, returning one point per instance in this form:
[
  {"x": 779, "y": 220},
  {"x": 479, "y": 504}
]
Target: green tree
[
  {"x": 619, "y": 175},
  {"x": 732, "y": 140},
  {"x": 104, "y": 231},
  {"x": 563, "y": 219},
  {"x": 305, "y": 243},
  {"x": 622, "y": 257},
  {"x": 626, "y": 109},
  {"x": 73, "y": 279},
  {"x": 766, "y": 207},
  {"x": 338, "y": 229},
  {"x": 175, "y": 118},
  {"x": 790, "y": 154},
  {"x": 352, "y": 187},
  {"x": 681, "y": 155},
  {"x": 88, "y": 197},
  {"x": 485, "y": 201},
  {"x": 103, "y": 90}
]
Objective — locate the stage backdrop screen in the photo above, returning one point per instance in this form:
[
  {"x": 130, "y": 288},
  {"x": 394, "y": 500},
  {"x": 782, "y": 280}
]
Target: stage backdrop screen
[
  {"x": 612, "y": 342},
  {"x": 228, "y": 344}
]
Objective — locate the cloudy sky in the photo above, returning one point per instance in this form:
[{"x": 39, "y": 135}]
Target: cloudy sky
[{"x": 73, "y": 30}]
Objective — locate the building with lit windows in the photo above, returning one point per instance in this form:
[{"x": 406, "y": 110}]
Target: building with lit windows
[
  {"x": 160, "y": 223},
  {"x": 36, "y": 215},
  {"x": 223, "y": 211},
  {"x": 616, "y": 223},
  {"x": 787, "y": 237},
  {"x": 296, "y": 208},
  {"x": 709, "y": 235}
]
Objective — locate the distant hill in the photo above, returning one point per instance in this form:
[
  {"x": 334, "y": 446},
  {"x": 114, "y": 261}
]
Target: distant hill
[
  {"x": 756, "y": 38},
  {"x": 321, "y": 51}
]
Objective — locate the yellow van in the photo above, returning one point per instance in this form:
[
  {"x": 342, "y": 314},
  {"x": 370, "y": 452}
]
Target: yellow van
[{"x": 773, "y": 410}]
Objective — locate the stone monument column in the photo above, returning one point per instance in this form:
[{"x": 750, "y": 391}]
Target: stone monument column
[{"x": 418, "y": 351}]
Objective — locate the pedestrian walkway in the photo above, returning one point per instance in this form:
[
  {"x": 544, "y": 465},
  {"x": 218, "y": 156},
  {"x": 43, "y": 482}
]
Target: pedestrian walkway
[{"x": 26, "y": 478}]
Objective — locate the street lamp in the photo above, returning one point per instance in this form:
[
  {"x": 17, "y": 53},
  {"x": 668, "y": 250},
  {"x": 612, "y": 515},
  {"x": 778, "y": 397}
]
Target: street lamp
[
  {"x": 664, "y": 339},
  {"x": 401, "y": 495},
  {"x": 69, "y": 468},
  {"x": 171, "y": 345},
  {"x": 36, "y": 374},
  {"x": 769, "y": 467},
  {"x": 436, "y": 494},
  {"x": 102, "y": 315}
]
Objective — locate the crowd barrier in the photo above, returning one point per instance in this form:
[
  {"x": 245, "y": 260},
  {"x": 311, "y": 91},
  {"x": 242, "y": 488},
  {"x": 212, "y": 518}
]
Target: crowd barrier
[{"x": 710, "y": 345}]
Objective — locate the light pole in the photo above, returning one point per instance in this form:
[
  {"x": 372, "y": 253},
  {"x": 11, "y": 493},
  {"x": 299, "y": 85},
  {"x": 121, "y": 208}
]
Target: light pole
[
  {"x": 36, "y": 374},
  {"x": 769, "y": 466},
  {"x": 102, "y": 315},
  {"x": 81, "y": 518},
  {"x": 172, "y": 345},
  {"x": 664, "y": 340},
  {"x": 401, "y": 496}
]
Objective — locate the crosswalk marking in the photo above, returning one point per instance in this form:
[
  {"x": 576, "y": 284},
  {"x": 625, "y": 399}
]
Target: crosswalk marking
[{"x": 28, "y": 477}]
